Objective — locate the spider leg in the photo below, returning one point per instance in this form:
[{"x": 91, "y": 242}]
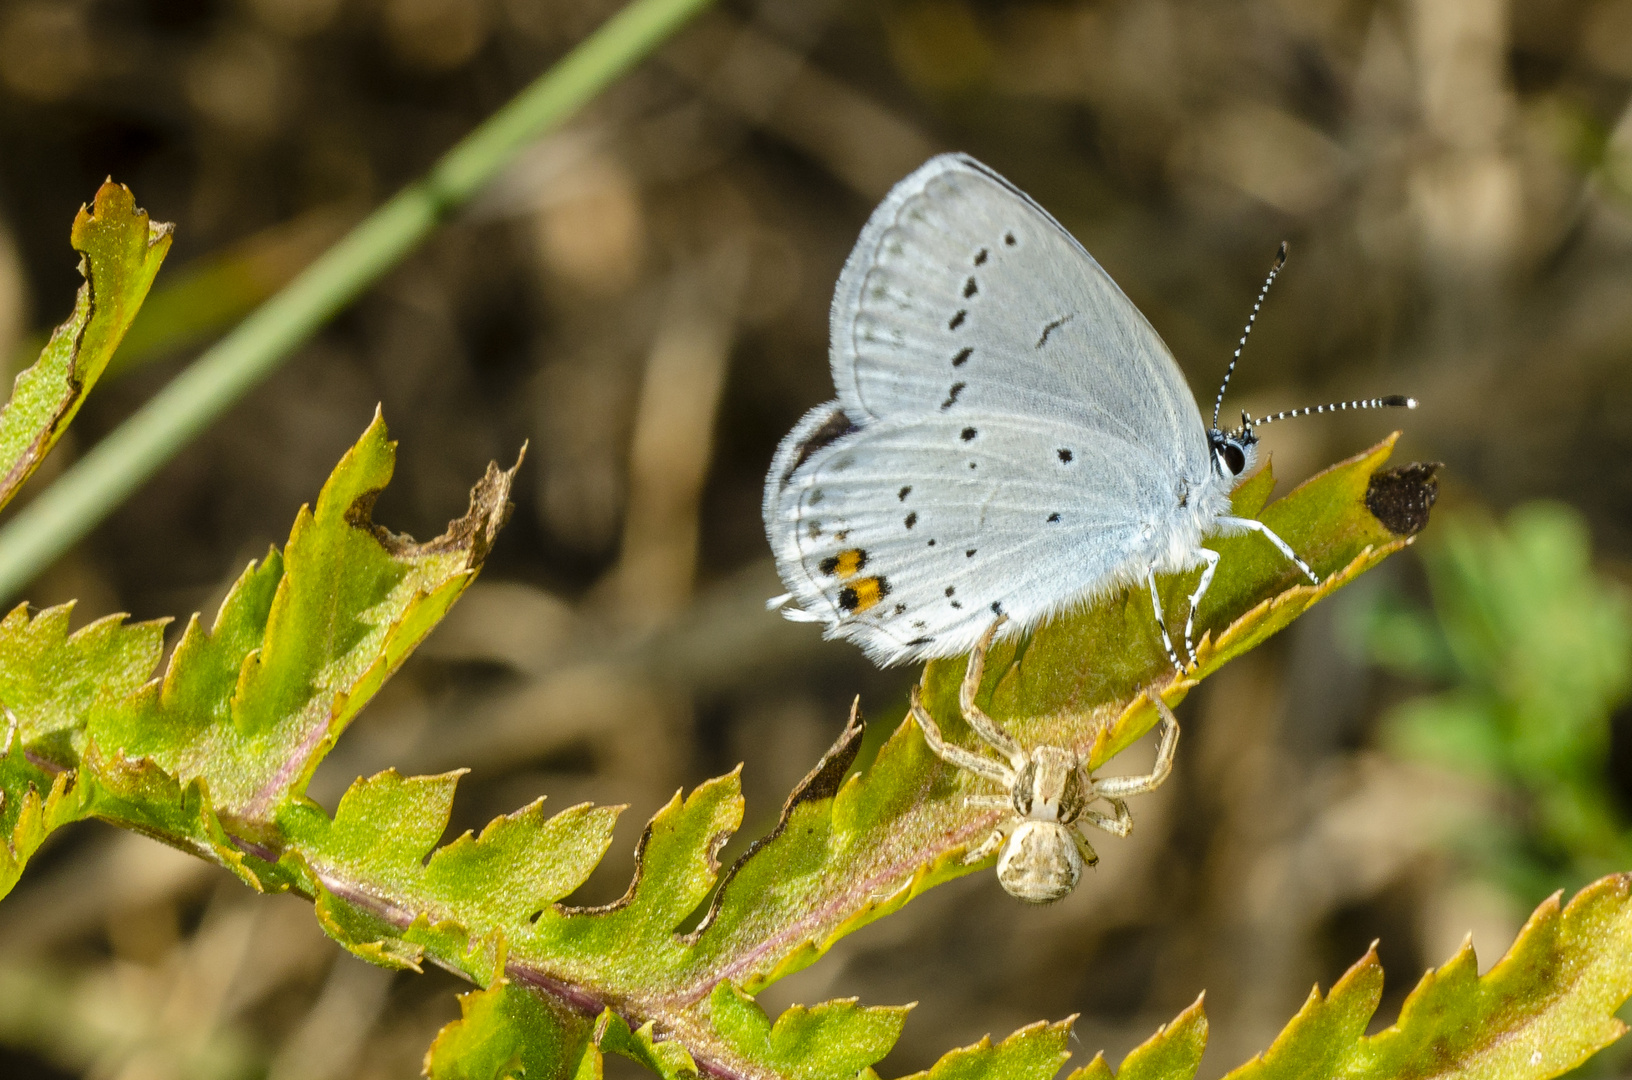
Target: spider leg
[
  {"x": 957, "y": 755},
  {"x": 1120, "y": 825},
  {"x": 983, "y": 725},
  {"x": 1161, "y": 620},
  {"x": 1090, "y": 857},
  {"x": 988, "y": 802},
  {"x": 984, "y": 851},
  {"x": 1269, "y": 534},
  {"x": 1211, "y": 558},
  {"x": 1113, "y": 787}
]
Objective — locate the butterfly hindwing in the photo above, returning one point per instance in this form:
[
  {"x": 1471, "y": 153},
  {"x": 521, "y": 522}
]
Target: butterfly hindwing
[{"x": 910, "y": 536}]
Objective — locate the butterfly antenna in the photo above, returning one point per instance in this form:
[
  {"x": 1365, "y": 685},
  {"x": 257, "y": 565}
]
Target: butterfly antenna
[
  {"x": 1280, "y": 261},
  {"x": 1393, "y": 401}
]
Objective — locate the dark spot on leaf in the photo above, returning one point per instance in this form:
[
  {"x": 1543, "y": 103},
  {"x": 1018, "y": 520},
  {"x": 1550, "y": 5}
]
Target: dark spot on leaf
[
  {"x": 957, "y": 320},
  {"x": 1401, "y": 498},
  {"x": 963, "y": 354},
  {"x": 967, "y": 433}
]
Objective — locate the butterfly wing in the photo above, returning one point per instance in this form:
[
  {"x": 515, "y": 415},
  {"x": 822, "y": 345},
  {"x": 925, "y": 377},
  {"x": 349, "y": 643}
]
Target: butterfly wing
[
  {"x": 909, "y": 536},
  {"x": 963, "y": 297}
]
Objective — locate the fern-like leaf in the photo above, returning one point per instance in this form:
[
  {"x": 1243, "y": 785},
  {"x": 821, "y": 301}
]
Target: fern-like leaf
[{"x": 122, "y": 251}]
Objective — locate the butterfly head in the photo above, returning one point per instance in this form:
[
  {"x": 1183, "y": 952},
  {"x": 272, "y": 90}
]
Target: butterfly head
[{"x": 1234, "y": 452}]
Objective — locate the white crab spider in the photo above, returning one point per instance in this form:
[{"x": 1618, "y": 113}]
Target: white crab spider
[{"x": 1049, "y": 792}]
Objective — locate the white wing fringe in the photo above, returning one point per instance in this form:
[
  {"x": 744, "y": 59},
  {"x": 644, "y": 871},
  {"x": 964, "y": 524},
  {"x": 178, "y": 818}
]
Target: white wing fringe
[{"x": 793, "y": 614}]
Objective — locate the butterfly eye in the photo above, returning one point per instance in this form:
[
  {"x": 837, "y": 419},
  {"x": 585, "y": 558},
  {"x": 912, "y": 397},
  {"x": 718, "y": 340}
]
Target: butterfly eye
[{"x": 1235, "y": 459}]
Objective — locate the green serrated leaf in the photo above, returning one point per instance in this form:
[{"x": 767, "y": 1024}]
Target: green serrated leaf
[
  {"x": 667, "y": 1058},
  {"x": 302, "y": 642},
  {"x": 1173, "y": 1053},
  {"x": 141, "y": 796},
  {"x": 122, "y": 251},
  {"x": 1546, "y": 1006},
  {"x": 33, "y": 804},
  {"x": 1035, "y": 1052},
  {"x": 50, "y": 681},
  {"x": 831, "y": 1041},
  {"x": 505, "y": 1032}
]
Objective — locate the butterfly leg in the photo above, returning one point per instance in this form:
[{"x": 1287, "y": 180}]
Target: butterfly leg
[
  {"x": 984, "y": 725},
  {"x": 1269, "y": 534},
  {"x": 957, "y": 755},
  {"x": 1161, "y": 620},
  {"x": 1114, "y": 787},
  {"x": 1211, "y": 558}
]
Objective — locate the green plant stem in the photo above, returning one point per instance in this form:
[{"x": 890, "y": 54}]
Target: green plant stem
[{"x": 132, "y": 453}]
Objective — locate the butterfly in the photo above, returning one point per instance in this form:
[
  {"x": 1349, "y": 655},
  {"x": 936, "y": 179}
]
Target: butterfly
[{"x": 1011, "y": 438}]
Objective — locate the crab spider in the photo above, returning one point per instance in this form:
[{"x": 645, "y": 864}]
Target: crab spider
[{"x": 1049, "y": 792}]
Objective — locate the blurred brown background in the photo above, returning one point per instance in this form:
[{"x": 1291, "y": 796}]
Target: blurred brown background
[{"x": 644, "y": 297}]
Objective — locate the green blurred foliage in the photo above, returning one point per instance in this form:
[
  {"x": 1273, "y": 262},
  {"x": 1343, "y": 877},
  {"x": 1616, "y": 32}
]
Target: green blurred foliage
[{"x": 1533, "y": 646}]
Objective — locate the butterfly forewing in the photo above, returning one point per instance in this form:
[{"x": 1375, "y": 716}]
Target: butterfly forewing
[{"x": 963, "y": 297}]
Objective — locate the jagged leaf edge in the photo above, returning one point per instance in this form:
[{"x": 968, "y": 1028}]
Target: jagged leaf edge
[{"x": 122, "y": 249}]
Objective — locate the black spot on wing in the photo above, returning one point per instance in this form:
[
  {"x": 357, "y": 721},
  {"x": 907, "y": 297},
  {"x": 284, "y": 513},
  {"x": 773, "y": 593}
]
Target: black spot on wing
[
  {"x": 1053, "y": 326},
  {"x": 911, "y": 520},
  {"x": 962, "y": 355},
  {"x": 967, "y": 433},
  {"x": 901, "y": 496},
  {"x": 1054, "y": 517},
  {"x": 834, "y": 428},
  {"x": 997, "y": 608},
  {"x": 957, "y": 320},
  {"x": 969, "y": 553},
  {"x": 952, "y": 395},
  {"x": 970, "y": 288},
  {"x": 1065, "y": 455},
  {"x": 980, "y": 257}
]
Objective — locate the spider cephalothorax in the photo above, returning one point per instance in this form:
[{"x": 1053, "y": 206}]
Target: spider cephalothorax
[{"x": 1049, "y": 792}]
